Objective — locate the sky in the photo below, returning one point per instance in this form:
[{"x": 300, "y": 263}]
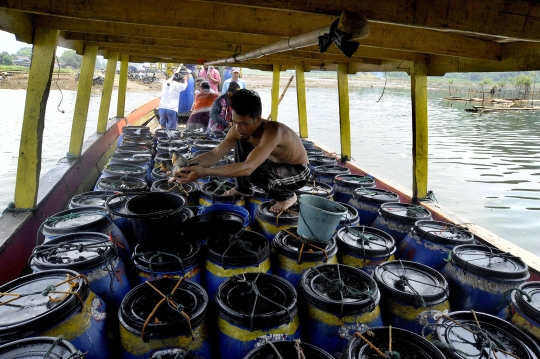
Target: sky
[{"x": 11, "y": 45}]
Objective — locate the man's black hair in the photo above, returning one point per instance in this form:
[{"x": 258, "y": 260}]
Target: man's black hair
[{"x": 246, "y": 103}]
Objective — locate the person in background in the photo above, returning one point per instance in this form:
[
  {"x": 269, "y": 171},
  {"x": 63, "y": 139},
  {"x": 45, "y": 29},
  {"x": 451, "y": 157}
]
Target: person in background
[
  {"x": 198, "y": 81},
  {"x": 188, "y": 95},
  {"x": 221, "y": 113},
  {"x": 170, "y": 96},
  {"x": 200, "y": 113},
  {"x": 212, "y": 76},
  {"x": 235, "y": 78}
]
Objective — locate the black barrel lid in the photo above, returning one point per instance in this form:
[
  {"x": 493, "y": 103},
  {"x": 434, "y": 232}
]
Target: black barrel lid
[
  {"x": 164, "y": 156},
  {"x": 160, "y": 173},
  {"x": 136, "y": 142},
  {"x": 307, "y": 143},
  {"x": 458, "y": 331},
  {"x": 139, "y": 159},
  {"x": 175, "y": 354},
  {"x": 39, "y": 348},
  {"x": 135, "y": 130},
  {"x": 317, "y": 189},
  {"x": 204, "y": 225},
  {"x": 288, "y": 217},
  {"x": 314, "y": 152},
  {"x": 167, "y": 133},
  {"x": 205, "y": 145},
  {"x": 330, "y": 170},
  {"x": 350, "y": 217},
  {"x": 489, "y": 262},
  {"x": 404, "y": 212},
  {"x": 34, "y": 312},
  {"x": 246, "y": 248},
  {"x": 141, "y": 136},
  {"x": 124, "y": 169},
  {"x": 134, "y": 149},
  {"x": 412, "y": 282},
  {"x": 365, "y": 241},
  {"x": 443, "y": 232},
  {"x": 287, "y": 243},
  {"x": 240, "y": 304},
  {"x": 96, "y": 199},
  {"x": 528, "y": 299},
  {"x": 178, "y": 148},
  {"x": 375, "y": 195},
  {"x": 188, "y": 133},
  {"x": 340, "y": 289},
  {"x": 287, "y": 349},
  {"x": 171, "y": 141},
  {"x": 322, "y": 161},
  {"x": 122, "y": 184},
  {"x": 141, "y": 301},
  {"x": 217, "y": 188},
  {"x": 77, "y": 251},
  {"x": 83, "y": 219},
  {"x": 354, "y": 181},
  {"x": 163, "y": 185},
  {"x": 172, "y": 257}
]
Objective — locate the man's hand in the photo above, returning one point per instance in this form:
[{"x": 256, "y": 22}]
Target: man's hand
[{"x": 189, "y": 174}]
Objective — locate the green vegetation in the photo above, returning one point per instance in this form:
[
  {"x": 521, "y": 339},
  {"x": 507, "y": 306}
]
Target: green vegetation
[
  {"x": 25, "y": 51},
  {"x": 5, "y": 59},
  {"x": 71, "y": 59}
]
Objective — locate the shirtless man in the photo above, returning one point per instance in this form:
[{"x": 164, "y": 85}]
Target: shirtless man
[{"x": 268, "y": 154}]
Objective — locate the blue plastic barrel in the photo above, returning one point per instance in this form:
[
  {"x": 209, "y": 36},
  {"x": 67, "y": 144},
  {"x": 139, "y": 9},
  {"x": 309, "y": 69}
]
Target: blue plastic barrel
[
  {"x": 203, "y": 146},
  {"x": 340, "y": 300},
  {"x": 314, "y": 152},
  {"x": 204, "y": 180},
  {"x": 124, "y": 170},
  {"x": 170, "y": 141},
  {"x": 144, "y": 161},
  {"x": 212, "y": 193},
  {"x": 524, "y": 309},
  {"x": 182, "y": 259},
  {"x": 479, "y": 276},
  {"x": 269, "y": 223},
  {"x": 134, "y": 132},
  {"x": 315, "y": 161},
  {"x": 88, "y": 253},
  {"x": 190, "y": 191},
  {"x": 252, "y": 203},
  {"x": 87, "y": 219},
  {"x": 230, "y": 255},
  {"x": 40, "y": 347},
  {"x": 364, "y": 247},
  {"x": 169, "y": 133},
  {"x": 316, "y": 189},
  {"x": 203, "y": 226},
  {"x": 368, "y": 201},
  {"x": 136, "y": 141},
  {"x": 345, "y": 185},
  {"x": 413, "y": 295},
  {"x": 181, "y": 148},
  {"x": 121, "y": 184},
  {"x": 178, "y": 323},
  {"x": 288, "y": 349},
  {"x": 42, "y": 311},
  {"x": 326, "y": 174},
  {"x": 293, "y": 254},
  {"x": 230, "y": 208},
  {"x": 136, "y": 150},
  {"x": 159, "y": 174},
  {"x": 430, "y": 242},
  {"x": 308, "y": 144},
  {"x": 245, "y": 323},
  {"x": 351, "y": 218},
  {"x": 398, "y": 219}
]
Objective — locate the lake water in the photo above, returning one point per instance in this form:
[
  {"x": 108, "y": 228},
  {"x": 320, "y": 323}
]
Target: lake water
[{"x": 485, "y": 167}]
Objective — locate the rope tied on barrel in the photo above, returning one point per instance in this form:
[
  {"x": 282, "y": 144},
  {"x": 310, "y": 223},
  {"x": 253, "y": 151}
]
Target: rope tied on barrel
[
  {"x": 416, "y": 211},
  {"x": 53, "y": 220},
  {"x": 177, "y": 308},
  {"x": 299, "y": 349},
  {"x": 222, "y": 187},
  {"x": 77, "y": 354},
  {"x": 50, "y": 289},
  {"x": 252, "y": 288},
  {"x": 152, "y": 255},
  {"x": 301, "y": 241},
  {"x": 386, "y": 354},
  {"x": 236, "y": 240},
  {"x": 126, "y": 169},
  {"x": 366, "y": 239}
]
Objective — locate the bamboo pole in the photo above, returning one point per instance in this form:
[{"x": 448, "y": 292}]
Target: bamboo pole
[
  {"x": 122, "y": 86},
  {"x": 301, "y": 101},
  {"x": 280, "y": 97},
  {"x": 344, "y": 114},
  {"x": 419, "y": 97}
]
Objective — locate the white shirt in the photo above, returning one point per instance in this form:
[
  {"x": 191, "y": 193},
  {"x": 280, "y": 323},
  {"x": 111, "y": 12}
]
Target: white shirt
[
  {"x": 226, "y": 84},
  {"x": 170, "y": 95}
]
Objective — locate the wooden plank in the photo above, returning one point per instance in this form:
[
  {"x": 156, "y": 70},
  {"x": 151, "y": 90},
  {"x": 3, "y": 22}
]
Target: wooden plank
[
  {"x": 122, "y": 86},
  {"x": 105, "y": 103},
  {"x": 419, "y": 99},
  {"x": 344, "y": 114},
  {"x": 37, "y": 93},
  {"x": 84, "y": 90},
  {"x": 275, "y": 93},
  {"x": 18, "y": 23},
  {"x": 301, "y": 101}
]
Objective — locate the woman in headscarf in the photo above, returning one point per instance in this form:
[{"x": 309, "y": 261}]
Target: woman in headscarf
[{"x": 200, "y": 113}]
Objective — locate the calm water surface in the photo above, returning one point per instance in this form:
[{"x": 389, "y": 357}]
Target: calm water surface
[{"x": 484, "y": 167}]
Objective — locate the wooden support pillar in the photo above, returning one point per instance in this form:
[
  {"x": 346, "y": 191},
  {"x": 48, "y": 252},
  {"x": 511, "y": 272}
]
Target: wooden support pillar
[
  {"x": 105, "y": 103},
  {"x": 301, "y": 101},
  {"x": 122, "y": 86},
  {"x": 37, "y": 93},
  {"x": 84, "y": 90},
  {"x": 344, "y": 114},
  {"x": 419, "y": 97},
  {"x": 275, "y": 93}
]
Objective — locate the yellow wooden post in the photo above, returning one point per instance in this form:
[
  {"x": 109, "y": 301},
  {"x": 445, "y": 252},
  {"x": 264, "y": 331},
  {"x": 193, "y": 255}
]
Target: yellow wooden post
[
  {"x": 84, "y": 90},
  {"x": 169, "y": 70},
  {"x": 37, "y": 93},
  {"x": 105, "y": 103},
  {"x": 275, "y": 93},
  {"x": 419, "y": 97},
  {"x": 122, "y": 86},
  {"x": 301, "y": 100},
  {"x": 344, "y": 115}
]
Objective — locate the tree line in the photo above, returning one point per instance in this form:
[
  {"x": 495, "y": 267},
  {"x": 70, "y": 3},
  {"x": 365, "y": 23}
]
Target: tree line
[{"x": 69, "y": 58}]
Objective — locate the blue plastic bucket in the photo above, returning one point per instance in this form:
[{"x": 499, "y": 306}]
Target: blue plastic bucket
[
  {"x": 316, "y": 189},
  {"x": 230, "y": 255},
  {"x": 364, "y": 247},
  {"x": 269, "y": 223},
  {"x": 397, "y": 219},
  {"x": 253, "y": 202},
  {"x": 340, "y": 301},
  {"x": 190, "y": 191},
  {"x": 231, "y": 208},
  {"x": 345, "y": 185},
  {"x": 168, "y": 328},
  {"x": 326, "y": 174},
  {"x": 319, "y": 217},
  {"x": 91, "y": 254},
  {"x": 524, "y": 309},
  {"x": 368, "y": 201},
  {"x": 175, "y": 260},
  {"x": 243, "y": 324},
  {"x": 83, "y": 324},
  {"x": 294, "y": 255},
  {"x": 212, "y": 193},
  {"x": 413, "y": 295},
  {"x": 87, "y": 219},
  {"x": 288, "y": 349},
  {"x": 430, "y": 242},
  {"x": 315, "y": 161},
  {"x": 479, "y": 276},
  {"x": 351, "y": 218},
  {"x": 40, "y": 347}
]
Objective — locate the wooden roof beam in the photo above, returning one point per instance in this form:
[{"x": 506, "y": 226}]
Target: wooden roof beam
[{"x": 18, "y": 23}]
